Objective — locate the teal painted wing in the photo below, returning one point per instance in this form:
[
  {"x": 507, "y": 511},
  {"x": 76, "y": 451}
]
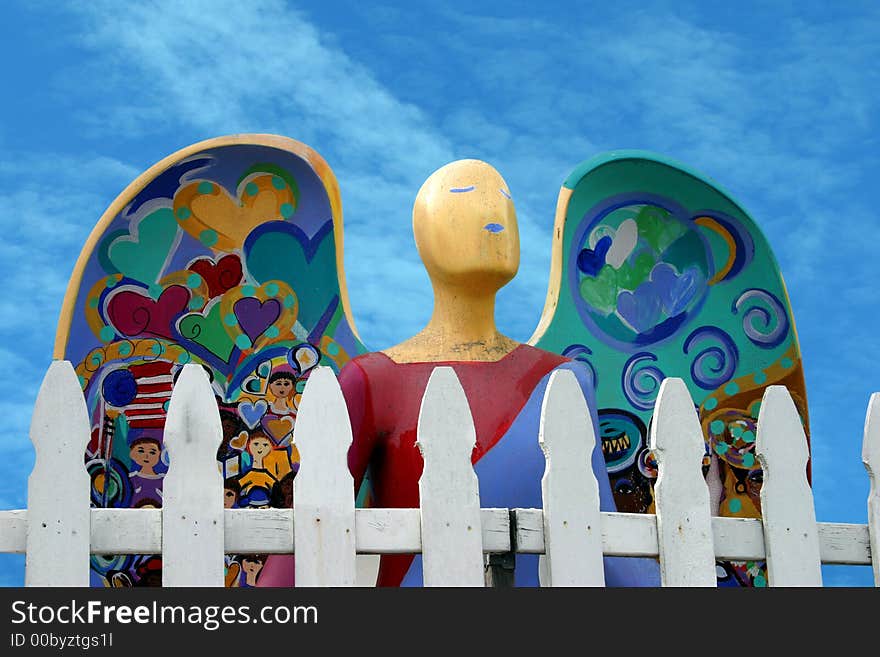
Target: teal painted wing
[{"x": 659, "y": 273}]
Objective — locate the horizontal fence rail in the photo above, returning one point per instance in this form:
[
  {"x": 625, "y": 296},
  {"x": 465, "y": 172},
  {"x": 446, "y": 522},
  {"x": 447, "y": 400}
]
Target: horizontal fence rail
[
  {"x": 397, "y": 531},
  {"x": 453, "y": 533}
]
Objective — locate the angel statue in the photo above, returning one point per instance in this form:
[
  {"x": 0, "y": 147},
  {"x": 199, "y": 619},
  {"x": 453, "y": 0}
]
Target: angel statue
[{"x": 228, "y": 254}]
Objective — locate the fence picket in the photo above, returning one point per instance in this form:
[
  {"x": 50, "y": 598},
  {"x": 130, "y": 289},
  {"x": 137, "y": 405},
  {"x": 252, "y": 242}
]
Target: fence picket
[
  {"x": 58, "y": 528},
  {"x": 572, "y": 524},
  {"x": 871, "y": 459},
  {"x": 684, "y": 518},
  {"x": 452, "y": 545},
  {"x": 192, "y": 505},
  {"x": 791, "y": 535},
  {"x": 323, "y": 511}
]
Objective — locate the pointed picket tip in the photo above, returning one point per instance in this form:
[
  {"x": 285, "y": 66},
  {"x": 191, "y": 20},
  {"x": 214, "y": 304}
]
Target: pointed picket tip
[
  {"x": 192, "y": 489},
  {"x": 674, "y": 417},
  {"x": 563, "y": 406},
  {"x": 779, "y": 418},
  {"x": 192, "y": 413},
  {"x": 871, "y": 459},
  {"x": 60, "y": 421},
  {"x": 449, "y": 494},
  {"x": 324, "y": 517},
  {"x": 445, "y": 421},
  {"x": 570, "y": 492},
  {"x": 322, "y": 410},
  {"x": 871, "y": 444},
  {"x": 684, "y": 516},
  {"x": 788, "y": 516},
  {"x": 58, "y": 518}
]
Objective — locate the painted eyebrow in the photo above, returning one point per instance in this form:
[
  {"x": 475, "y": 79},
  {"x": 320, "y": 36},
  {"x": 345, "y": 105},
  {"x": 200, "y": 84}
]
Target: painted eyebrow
[
  {"x": 459, "y": 190},
  {"x": 504, "y": 193}
]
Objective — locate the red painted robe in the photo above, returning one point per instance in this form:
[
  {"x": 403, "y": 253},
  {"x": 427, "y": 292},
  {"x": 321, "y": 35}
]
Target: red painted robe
[{"x": 384, "y": 399}]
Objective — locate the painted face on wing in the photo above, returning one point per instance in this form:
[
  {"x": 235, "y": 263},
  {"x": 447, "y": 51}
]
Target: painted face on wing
[
  {"x": 259, "y": 446},
  {"x": 145, "y": 454},
  {"x": 465, "y": 226}
]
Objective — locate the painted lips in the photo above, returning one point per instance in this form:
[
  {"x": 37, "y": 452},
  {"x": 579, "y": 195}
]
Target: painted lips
[{"x": 493, "y": 228}]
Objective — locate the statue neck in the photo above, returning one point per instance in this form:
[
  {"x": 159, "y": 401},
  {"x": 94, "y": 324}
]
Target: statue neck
[{"x": 462, "y": 327}]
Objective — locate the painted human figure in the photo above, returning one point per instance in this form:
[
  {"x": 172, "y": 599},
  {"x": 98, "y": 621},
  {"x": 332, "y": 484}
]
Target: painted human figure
[
  {"x": 466, "y": 233},
  {"x": 251, "y": 565},
  {"x": 278, "y": 421},
  {"x": 231, "y": 492},
  {"x": 282, "y": 385},
  {"x": 256, "y": 484},
  {"x": 146, "y": 451}
]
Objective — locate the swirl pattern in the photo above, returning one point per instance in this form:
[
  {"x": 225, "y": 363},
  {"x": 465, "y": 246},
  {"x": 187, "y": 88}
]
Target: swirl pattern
[
  {"x": 641, "y": 383},
  {"x": 765, "y": 327},
  {"x": 716, "y": 363}
]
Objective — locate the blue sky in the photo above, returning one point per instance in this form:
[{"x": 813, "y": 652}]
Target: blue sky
[{"x": 775, "y": 101}]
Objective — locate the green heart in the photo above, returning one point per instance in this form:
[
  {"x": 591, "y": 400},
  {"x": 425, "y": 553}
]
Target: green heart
[
  {"x": 601, "y": 291},
  {"x": 656, "y": 227},
  {"x": 143, "y": 258},
  {"x": 279, "y": 256},
  {"x": 208, "y": 332},
  {"x": 630, "y": 276}
]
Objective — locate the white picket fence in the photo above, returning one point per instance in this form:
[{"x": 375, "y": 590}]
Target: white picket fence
[{"x": 192, "y": 531}]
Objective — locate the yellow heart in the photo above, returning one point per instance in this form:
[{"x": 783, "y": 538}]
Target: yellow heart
[
  {"x": 279, "y": 428},
  {"x": 209, "y": 213},
  {"x": 239, "y": 441}
]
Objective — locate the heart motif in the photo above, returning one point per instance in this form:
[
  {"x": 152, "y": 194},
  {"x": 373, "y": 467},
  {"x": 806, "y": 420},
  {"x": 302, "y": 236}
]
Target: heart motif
[
  {"x": 142, "y": 254},
  {"x": 625, "y": 239},
  {"x": 240, "y": 441},
  {"x": 255, "y": 316},
  {"x": 220, "y": 276},
  {"x": 590, "y": 261},
  {"x": 209, "y": 213},
  {"x": 252, "y": 413},
  {"x": 281, "y": 251},
  {"x": 600, "y": 292},
  {"x": 637, "y": 271},
  {"x": 208, "y": 332},
  {"x": 675, "y": 291},
  {"x": 132, "y": 313},
  {"x": 640, "y": 309},
  {"x": 279, "y": 429},
  {"x": 256, "y": 383},
  {"x": 303, "y": 358},
  {"x": 658, "y": 228}
]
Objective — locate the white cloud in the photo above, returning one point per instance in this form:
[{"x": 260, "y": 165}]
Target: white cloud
[{"x": 774, "y": 121}]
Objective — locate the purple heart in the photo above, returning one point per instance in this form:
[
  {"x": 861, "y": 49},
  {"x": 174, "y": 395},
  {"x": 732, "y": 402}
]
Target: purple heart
[
  {"x": 255, "y": 316},
  {"x": 590, "y": 261},
  {"x": 252, "y": 413},
  {"x": 675, "y": 291},
  {"x": 640, "y": 309}
]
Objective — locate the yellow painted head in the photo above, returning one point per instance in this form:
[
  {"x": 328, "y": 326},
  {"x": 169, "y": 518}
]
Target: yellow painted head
[{"x": 465, "y": 227}]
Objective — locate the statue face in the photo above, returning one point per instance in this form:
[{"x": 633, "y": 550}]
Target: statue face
[{"x": 465, "y": 226}]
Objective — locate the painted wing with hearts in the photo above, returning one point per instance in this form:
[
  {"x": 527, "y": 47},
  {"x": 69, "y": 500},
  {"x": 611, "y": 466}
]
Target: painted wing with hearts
[
  {"x": 226, "y": 254},
  {"x": 657, "y": 272}
]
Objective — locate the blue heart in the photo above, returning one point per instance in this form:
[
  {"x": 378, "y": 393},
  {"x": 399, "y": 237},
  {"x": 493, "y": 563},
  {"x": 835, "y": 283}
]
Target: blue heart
[
  {"x": 641, "y": 309},
  {"x": 590, "y": 261},
  {"x": 252, "y": 413},
  {"x": 676, "y": 291}
]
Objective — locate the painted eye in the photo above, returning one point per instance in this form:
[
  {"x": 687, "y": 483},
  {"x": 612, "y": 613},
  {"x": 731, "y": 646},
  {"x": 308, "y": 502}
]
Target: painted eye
[
  {"x": 505, "y": 194},
  {"x": 459, "y": 190}
]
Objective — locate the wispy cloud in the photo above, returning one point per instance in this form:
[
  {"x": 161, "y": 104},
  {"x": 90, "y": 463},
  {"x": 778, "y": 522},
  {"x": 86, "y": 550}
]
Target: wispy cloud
[
  {"x": 784, "y": 116},
  {"x": 261, "y": 67}
]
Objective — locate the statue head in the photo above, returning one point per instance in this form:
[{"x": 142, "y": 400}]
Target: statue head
[{"x": 465, "y": 227}]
